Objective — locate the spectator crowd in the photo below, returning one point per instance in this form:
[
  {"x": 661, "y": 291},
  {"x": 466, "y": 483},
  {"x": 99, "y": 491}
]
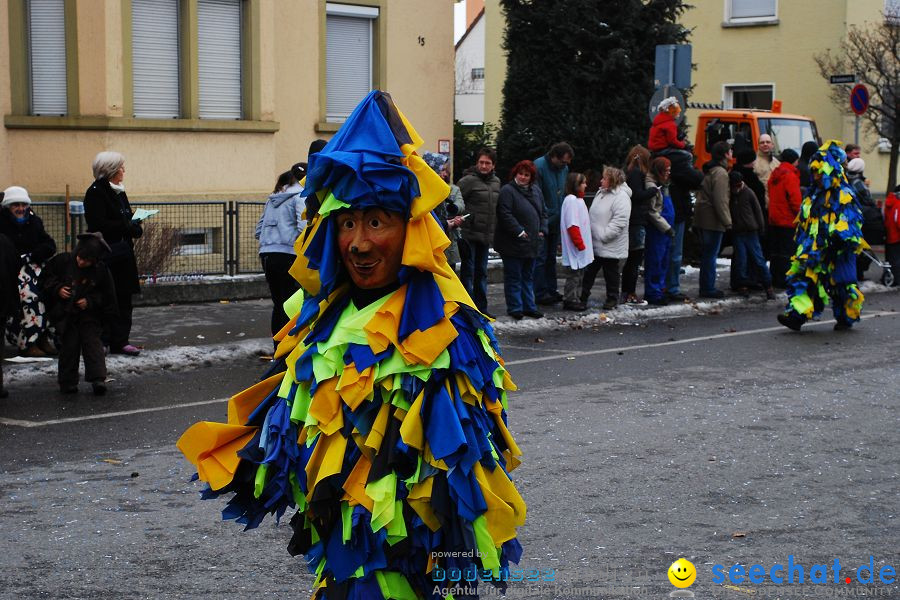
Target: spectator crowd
[{"x": 615, "y": 221}]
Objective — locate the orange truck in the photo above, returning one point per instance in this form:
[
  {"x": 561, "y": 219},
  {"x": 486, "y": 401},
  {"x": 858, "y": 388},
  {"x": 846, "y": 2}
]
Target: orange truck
[{"x": 742, "y": 128}]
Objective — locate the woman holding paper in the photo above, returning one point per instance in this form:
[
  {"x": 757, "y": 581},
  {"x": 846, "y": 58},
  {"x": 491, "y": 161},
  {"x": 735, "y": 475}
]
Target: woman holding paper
[{"x": 106, "y": 210}]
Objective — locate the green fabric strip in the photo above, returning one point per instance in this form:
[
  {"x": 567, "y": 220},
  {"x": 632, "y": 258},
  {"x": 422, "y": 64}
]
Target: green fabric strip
[
  {"x": 260, "y": 481},
  {"x": 394, "y": 586},
  {"x": 382, "y": 492},
  {"x": 489, "y": 557},
  {"x": 331, "y": 204}
]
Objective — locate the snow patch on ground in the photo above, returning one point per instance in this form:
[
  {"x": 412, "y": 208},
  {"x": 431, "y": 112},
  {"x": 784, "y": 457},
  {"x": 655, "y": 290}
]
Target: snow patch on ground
[{"x": 173, "y": 358}]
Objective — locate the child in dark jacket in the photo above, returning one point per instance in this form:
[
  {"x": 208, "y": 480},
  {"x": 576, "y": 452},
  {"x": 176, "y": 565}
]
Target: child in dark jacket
[
  {"x": 746, "y": 225},
  {"x": 80, "y": 295}
]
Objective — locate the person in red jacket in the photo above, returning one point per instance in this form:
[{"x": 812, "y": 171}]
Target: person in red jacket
[
  {"x": 784, "y": 204},
  {"x": 892, "y": 228},
  {"x": 664, "y": 131}
]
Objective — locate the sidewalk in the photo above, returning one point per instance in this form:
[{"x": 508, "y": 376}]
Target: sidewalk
[{"x": 191, "y": 335}]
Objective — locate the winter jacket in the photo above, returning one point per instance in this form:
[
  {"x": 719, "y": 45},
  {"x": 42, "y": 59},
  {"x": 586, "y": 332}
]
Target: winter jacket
[
  {"x": 751, "y": 180},
  {"x": 892, "y": 219},
  {"x": 711, "y": 212},
  {"x": 519, "y": 210},
  {"x": 281, "y": 222},
  {"x": 764, "y": 167},
  {"x": 684, "y": 179},
  {"x": 10, "y": 263},
  {"x": 453, "y": 206},
  {"x": 553, "y": 187},
  {"x": 480, "y": 194},
  {"x": 746, "y": 215},
  {"x": 873, "y": 222},
  {"x": 784, "y": 195},
  {"x": 664, "y": 133},
  {"x": 640, "y": 196},
  {"x": 93, "y": 283},
  {"x": 28, "y": 237},
  {"x": 575, "y": 226},
  {"x": 108, "y": 211},
  {"x": 610, "y": 212},
  {"x": 654, "y": 215}
]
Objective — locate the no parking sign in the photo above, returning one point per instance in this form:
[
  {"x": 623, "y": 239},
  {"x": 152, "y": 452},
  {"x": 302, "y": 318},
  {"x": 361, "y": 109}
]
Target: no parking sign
[{"x": 859, "y": 99}]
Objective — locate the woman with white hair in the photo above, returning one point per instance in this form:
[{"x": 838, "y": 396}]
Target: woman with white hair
[
  {"x": 28, "y": 328},
  {"x": 106, "y": 210}
]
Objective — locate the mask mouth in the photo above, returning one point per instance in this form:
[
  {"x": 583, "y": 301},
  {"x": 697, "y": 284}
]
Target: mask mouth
[{"x": 364, "y": 268}]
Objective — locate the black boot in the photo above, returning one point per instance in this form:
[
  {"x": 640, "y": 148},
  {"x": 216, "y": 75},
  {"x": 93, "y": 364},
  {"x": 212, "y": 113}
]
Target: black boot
[{"x": 791, "y": 320}]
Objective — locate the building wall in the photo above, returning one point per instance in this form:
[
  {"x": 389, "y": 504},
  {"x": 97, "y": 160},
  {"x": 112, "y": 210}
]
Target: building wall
[
  {"x": 470, "y": 92},
  {"x": 416, "y": 67},
  {"x": 494, "y": 60},
  {"x": 782, "y": 54}
]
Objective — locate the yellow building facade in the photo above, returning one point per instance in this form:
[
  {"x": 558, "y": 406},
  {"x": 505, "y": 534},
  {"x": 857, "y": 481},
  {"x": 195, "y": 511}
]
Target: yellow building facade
[
  {"x": 78, "y": 77},
  {"x": 750, "y": 50}
]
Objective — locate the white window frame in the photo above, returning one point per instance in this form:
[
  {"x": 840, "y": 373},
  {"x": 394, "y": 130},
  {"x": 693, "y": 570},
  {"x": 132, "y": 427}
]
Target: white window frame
[
  {"x": 749, "y": 20},
  {"x": 369, "y": 13},
  {"x": 728, "y": 90},
  {"x": 193, "y": 249}
]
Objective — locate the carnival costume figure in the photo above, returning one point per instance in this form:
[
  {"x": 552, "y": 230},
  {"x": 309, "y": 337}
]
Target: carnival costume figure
[
  {"x": 827, "y": 240},
  {"x": 387, "y": 429}
]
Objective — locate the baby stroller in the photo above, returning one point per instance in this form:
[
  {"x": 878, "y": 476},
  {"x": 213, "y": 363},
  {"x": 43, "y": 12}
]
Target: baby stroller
[{"x": 887, "y": 274}]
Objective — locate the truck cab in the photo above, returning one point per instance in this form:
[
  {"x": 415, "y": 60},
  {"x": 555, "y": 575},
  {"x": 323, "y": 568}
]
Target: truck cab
[{"x": 742, "y": 128}]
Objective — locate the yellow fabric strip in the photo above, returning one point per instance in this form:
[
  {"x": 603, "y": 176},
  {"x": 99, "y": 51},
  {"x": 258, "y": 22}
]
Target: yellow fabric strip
[
  {"x": 242, "y": 404},
  {"x": 506, "y": 509},
  {"x": 355, "y": 484},
  {"x": 213, "y": 448},
  {"x": 326, "y": 459}
]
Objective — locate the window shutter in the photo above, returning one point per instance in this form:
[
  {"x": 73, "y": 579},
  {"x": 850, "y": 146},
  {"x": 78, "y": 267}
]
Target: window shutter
[
  {"x": 748, "y": 9},
  {"x": 154, "y": 57},
  {"x": 47, "y": 53},
  {"x": 219, "y": 58},
  {"x": 349, "y": 61}
]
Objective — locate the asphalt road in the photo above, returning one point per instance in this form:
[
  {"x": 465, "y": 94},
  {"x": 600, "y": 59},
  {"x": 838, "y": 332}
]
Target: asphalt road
[{"x": 722, "y": 438}]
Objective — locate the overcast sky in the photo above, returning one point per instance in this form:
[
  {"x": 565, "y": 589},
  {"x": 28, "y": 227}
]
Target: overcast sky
[{"x": 459, "y": 20}]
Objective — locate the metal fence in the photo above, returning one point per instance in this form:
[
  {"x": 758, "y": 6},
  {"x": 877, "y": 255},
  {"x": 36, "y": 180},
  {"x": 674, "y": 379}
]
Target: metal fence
[{"x": 183, "y": 239}]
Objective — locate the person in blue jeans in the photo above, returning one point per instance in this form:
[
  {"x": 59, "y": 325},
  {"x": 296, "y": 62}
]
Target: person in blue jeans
[
  {"x": 521, "y": 227},
  {"x": 712, "y": 216},
  {"x": 552, "y": 172},
  {"x": 747, "y": 224},
  {"x": 659, "y": 232}
]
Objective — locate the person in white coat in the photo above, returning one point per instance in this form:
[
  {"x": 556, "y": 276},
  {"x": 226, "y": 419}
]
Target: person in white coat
[
  {"x": 609, "y": 214},
  {"x": 575, "y": 233}
]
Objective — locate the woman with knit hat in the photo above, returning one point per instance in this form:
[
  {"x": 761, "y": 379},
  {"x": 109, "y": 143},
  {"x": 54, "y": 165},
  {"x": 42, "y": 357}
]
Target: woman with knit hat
[
  {"x": 387, "y": 432},
  {"x": 28, "y": 329}
]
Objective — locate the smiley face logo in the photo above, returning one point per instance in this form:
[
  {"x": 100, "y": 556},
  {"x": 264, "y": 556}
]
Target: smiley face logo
[{"x": 682, "y": 573}]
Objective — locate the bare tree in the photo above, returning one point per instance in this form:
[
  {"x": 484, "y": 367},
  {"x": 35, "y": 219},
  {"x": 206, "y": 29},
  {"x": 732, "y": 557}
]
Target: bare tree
[{"x": 872, "y": 52}]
